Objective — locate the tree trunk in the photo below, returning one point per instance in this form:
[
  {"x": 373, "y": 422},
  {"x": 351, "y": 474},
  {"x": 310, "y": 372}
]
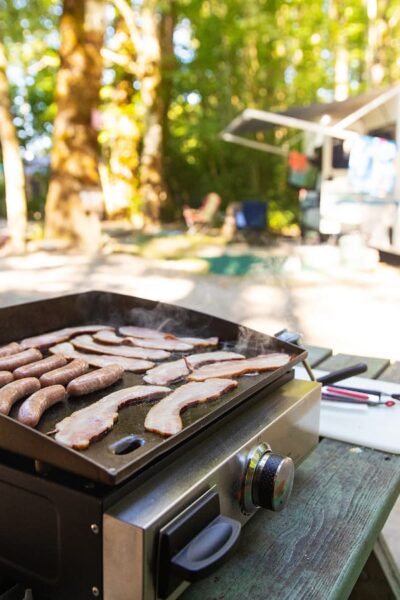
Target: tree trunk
[
  {"x": 150, "y": 35},
  {"x": 121, "y": 135},
  {"x": 75, "y": 149},
  {"x": 168, "y": 67},
  {"x": 13, "y": 167},
  {"x": 152, "y": 188}
]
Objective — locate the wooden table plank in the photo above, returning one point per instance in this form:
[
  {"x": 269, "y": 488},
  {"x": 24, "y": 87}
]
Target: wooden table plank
[
  {"x": 391, "y": 373},
  {"x": 376, "y": 366},
  {"x": 387, "y": 547},
  {"x": 317, "y": 354},
  {"x": 316, "y": 548}
]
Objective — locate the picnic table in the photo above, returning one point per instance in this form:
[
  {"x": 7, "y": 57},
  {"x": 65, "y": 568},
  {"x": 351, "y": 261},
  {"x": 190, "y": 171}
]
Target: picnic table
[{"x": 317, "y": 547}]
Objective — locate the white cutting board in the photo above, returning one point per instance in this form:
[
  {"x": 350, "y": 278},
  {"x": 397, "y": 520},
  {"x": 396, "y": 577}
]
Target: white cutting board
[{"x": 374, "y": 427}]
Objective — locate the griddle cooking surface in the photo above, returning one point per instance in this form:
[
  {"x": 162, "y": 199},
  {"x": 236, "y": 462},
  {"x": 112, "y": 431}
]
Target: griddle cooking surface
[{"x": 99, "y": 462}]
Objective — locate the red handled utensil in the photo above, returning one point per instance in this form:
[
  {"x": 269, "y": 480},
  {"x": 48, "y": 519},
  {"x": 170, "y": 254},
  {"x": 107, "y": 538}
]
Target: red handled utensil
[{"x": 337, "y": 394}]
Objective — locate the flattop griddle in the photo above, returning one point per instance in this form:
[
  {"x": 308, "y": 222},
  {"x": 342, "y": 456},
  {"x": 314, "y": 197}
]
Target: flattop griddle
[{"x": 128, "y": 447}]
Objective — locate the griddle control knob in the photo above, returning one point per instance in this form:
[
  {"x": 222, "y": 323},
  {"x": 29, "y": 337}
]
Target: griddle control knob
[{"x": 272, "y": 481}]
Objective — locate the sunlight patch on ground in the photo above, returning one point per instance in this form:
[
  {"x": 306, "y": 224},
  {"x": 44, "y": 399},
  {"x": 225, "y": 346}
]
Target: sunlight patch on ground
[
  {"x": 175, "y": 246},
  {"x": 189, "y": 265},
  {"x": 162, "y": 288},
  {"x": 267, "y": 325},
  {"x": 265, "y": 298}
]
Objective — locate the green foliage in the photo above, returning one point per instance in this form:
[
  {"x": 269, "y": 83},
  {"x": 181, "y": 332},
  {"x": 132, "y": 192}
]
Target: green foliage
[
  {"x": 237, "y": 58},
  {"x": 230, "y": 55}
]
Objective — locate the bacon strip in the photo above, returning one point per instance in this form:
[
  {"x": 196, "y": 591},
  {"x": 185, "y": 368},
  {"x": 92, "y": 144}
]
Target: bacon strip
[
  {"x": 235, "y": 368},
  {"x": 91, "y": 423},
  {"x": 102, "y": 360},
  {"x": 155, "y": 334},
  {"x": 203, "y": 358},
  {"x": 178, "y": 369},
  {"x": 164, "y": 417},
  {"x": 61, "y": 335},
  {"x": 85, "y": 342},
  {"x": 200, "y": 342},
  {"x": 167, "y": 373},
  {"x": 145, "y": 333},
  {"x": 174, "y": 345}
]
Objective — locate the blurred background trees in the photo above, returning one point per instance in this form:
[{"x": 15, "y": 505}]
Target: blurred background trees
[{"x": 129, "y": 96}]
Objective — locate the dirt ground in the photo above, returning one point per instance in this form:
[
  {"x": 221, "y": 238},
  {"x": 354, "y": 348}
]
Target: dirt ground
[{"x": 336, "y": 297}]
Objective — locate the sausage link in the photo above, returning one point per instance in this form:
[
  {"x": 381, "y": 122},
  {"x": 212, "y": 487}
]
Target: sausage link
[
  {"x": 5, "y": 377},
  {"x": 64, "y": 375},
  {"x": 96, "y": 380},
  {"x": 33, "y": 408},
  {"x": 9, "y": 363},
  {"x": 9, "y": 349},
  {"x": 39, "y": 367},
  {"x": 16, "y": 390}
]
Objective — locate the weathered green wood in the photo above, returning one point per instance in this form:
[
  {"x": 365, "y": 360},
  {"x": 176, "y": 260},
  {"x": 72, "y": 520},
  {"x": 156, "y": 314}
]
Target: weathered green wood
[
  {"x": 316, "y": 548},
  {"x": 387, "y": 548},
  {"x": 316, "y": 354},
  {"x": 392, "y": 373},
  {"x": 375, "y": 365}
]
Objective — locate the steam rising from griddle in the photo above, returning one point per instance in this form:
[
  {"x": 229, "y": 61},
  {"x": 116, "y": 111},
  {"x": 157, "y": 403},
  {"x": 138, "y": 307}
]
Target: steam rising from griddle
[{"x": 169, "y": 319}]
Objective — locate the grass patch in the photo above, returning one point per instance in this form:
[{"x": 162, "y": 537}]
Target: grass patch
[{"x": 169, "y": 245}]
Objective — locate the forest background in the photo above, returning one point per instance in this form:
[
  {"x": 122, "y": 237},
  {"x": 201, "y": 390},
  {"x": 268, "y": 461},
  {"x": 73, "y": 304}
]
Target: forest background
[{"x": 129, "y": 96}]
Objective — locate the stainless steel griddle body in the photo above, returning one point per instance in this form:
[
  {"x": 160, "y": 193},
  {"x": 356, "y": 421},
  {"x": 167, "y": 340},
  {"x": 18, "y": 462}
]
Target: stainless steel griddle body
[
  {"x": 74, "y": 526},
  {"x": 66, "y": 537}
]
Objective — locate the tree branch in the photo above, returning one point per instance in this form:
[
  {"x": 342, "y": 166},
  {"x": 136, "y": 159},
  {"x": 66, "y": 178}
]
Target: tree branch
[
  {"x": 128, "y": 14},
  {"x": 119, "y": 59}
]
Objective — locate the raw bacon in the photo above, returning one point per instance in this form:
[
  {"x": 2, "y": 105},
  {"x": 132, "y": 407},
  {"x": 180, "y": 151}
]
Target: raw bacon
[
  {"x": 178, "y": 369},
  {"x": 86, "y": 343},
  {"x": 167, "y": 373},
  {"x": 102, "y": 360},
  {"x": 203, "y": 358},
  {"x": 164, "y": 417},
  {"x": 91, "y": 423},
  {"x": 235, "y": 368},
  {"x": 155, "y": 334},
  {"x": 46, "y": 340},
  {"x": 200, "y": 342},
  {"x": 144, "y": 332},
  {"x": 173, "y": 345}
]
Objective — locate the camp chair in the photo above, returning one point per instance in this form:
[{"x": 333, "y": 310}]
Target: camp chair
[{"x": 205, "y": 215}]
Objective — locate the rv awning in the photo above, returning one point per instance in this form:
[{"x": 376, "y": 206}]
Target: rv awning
[{"x": 374, "y": 112}]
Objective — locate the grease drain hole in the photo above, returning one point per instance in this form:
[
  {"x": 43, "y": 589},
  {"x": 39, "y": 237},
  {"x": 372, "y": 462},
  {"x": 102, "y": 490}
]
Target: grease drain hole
[{"x": 127, "y": 444}]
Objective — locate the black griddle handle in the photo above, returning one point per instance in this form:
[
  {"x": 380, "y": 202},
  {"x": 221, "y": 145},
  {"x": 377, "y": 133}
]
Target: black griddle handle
[
  {"x": 195, "y": 543},
  {"x": 341, "y": 374},
  {"x": 208, "y": 550}
]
